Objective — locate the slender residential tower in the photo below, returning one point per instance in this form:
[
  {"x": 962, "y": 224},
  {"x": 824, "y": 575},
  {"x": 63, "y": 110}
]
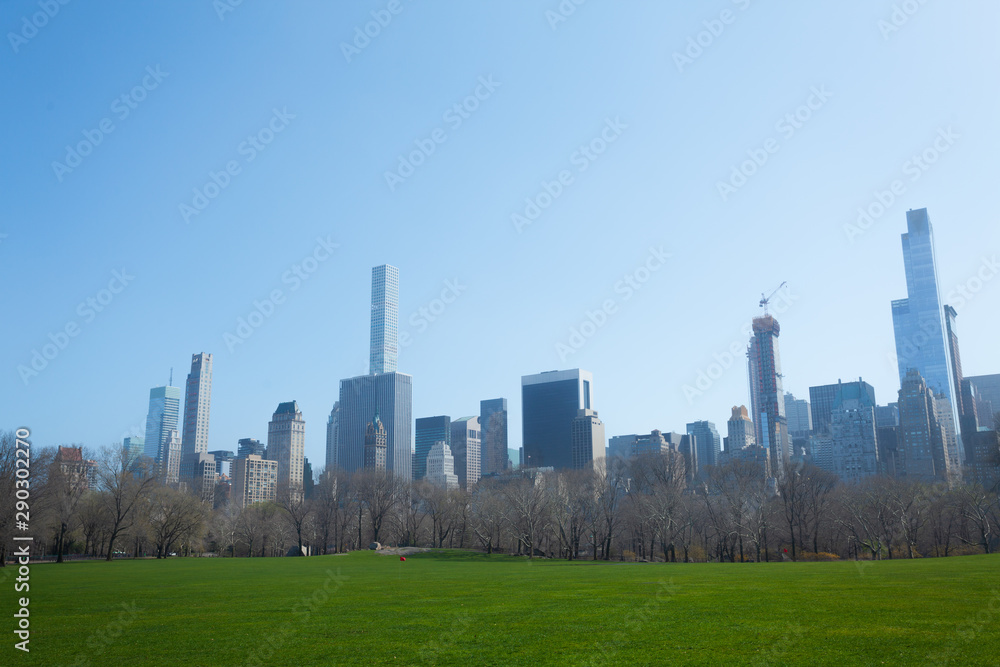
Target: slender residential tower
[
  {"x": 767, "y": 398},
  {"x": 919, "y": 323},
  {"x": 197, "y": 403},
  {"x": 382, "y": 391},
  {"x": 286, "y": 440}
]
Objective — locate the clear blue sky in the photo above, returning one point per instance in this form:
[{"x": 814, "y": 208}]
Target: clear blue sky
[{"x": 681, "y": 129}]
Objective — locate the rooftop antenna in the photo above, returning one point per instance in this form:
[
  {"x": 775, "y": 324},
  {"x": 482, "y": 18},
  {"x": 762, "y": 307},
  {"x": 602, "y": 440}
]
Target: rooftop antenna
[{"x": 172, "y": 372}]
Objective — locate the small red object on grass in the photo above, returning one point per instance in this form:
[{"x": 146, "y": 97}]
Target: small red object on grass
[{"x": 402, "y": 558}]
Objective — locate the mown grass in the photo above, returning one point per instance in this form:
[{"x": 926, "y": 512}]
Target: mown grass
[{"x": 458, "y": 608}]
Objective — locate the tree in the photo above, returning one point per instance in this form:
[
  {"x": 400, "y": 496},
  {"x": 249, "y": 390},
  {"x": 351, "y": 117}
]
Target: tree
[
  {"x": 297, "y": 512},
  {"x": 488, "y": 514},
  {"x": 125, "y": 479},
  {"x": 379, "y": 492},
  {"x": 172, "y": 515},
  {"x": 527, "y": 509}
]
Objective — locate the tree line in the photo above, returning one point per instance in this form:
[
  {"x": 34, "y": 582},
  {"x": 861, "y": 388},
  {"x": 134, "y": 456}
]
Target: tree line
[{"x": 644, "y": 508}]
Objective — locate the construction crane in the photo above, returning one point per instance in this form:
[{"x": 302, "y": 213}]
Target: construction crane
[{"x": 764, "y": 300}]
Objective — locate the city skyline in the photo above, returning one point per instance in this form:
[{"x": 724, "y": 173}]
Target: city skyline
[{"x": 645, "y": 215}]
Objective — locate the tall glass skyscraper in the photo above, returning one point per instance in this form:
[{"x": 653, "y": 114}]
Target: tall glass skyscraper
[
  {"x": 550, "y": 402},
  {"x": 385, "y": 319},
  {"x": 918, "y": 320},
  {"x": 383, "y": 391},
  {"x": 164, "y": 408},
  {"x": 707, "y": 442},
  {"x": 197, "y": 403}
]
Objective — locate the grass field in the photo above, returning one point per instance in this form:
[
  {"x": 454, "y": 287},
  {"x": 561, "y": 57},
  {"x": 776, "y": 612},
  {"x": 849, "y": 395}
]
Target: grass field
[{"x": 452, "y": 608}]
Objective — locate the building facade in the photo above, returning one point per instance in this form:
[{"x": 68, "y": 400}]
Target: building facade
[
  {"x": 164, "y": 407},
  {"x": 197, "y": 407},
  {"x": 376, "y": 445},
  {"x": 767, "y": 397},
  {"x": 441, "y": 466},
  {"x": 286, "y": 440},
  {"x": 549, "y": 403},
  {"x": 466, "y": 445},
  {"x": 740, "y": 430},
  {"x": 255, "y": 480},
  {"x": 385, "y": 319},
  {"x": 922, "y": 440},
  {"x": 429, "y": 430},
  {"x": 709, "y": 443},
  {"x": 919, "y": 320},
  {"x": 587, "y": 439},
  {"x": 332, "y": 427},
  {"x": 493, "y": 429}
]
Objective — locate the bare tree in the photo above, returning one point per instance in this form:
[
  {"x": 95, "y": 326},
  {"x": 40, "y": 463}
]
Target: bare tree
[
  {"x": 172, "y": 515},
  {"x": 297, "y": 512},
  {"x": 527, "y": 509},
  {"x": 379, "y": 492},
  {"x": 488, "y": 515},
  {"x": 124, "y": 479}
]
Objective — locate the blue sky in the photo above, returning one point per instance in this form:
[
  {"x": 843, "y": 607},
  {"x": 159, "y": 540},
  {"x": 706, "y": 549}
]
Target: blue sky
[{"x": 202, "y": 85}]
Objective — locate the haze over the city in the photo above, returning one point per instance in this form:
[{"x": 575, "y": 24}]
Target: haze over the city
[{"x": 272, "y": 151}]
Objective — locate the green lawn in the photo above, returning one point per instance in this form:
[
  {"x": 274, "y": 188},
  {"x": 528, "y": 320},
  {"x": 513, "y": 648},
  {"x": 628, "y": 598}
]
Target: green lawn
[{"x": 455, "y": 608}]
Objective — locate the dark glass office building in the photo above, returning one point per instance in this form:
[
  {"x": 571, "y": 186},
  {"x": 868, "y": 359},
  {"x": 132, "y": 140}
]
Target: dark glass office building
[
  {"x": 549, "y": 403},
  {"x": 390, "y": 395},
  {"x": 493, "y": 436}
]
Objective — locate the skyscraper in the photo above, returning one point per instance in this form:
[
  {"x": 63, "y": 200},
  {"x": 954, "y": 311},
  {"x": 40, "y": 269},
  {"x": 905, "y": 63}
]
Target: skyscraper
[
  {"x": 332, "y": 426},
  {"x": 854, "y": 441},
  {"x": 376, "y": 440},
  {"x": 382, "y": 391},
  {"x": 429, "y": 431},
  {"x": 493, "y": 425},
  {"x": 385, "y": 319},
  {"x": 550, "y": 402},
  {"x": 922, "y": 441},
  {"x": 821, "y": 406},
  {"x": 740, "y": 430},
  {"x": 389, "y": 395},
  {"x": 247, "y": 446},
  {"x": 255, "y": 480},
  {"x": 286, "y": 440},
  {"x": 588, "y": 439},
  {"x": 164, "y": 406},
  {"x": 197, "y": 403},
  {"x": 767, "y": 398},
  {"x": 799, "y": 416},
  {"x": 919, "y": 320},
  {"x": 707, "y": 441},
  {"x": 441, "y": 466},
  {"x": 466, "y": 444}
]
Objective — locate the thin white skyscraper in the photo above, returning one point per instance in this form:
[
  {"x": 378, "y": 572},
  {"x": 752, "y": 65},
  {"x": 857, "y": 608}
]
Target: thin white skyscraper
[
  {"x": 385, "y": 319},
  {"x": 197, "y": 404}
]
